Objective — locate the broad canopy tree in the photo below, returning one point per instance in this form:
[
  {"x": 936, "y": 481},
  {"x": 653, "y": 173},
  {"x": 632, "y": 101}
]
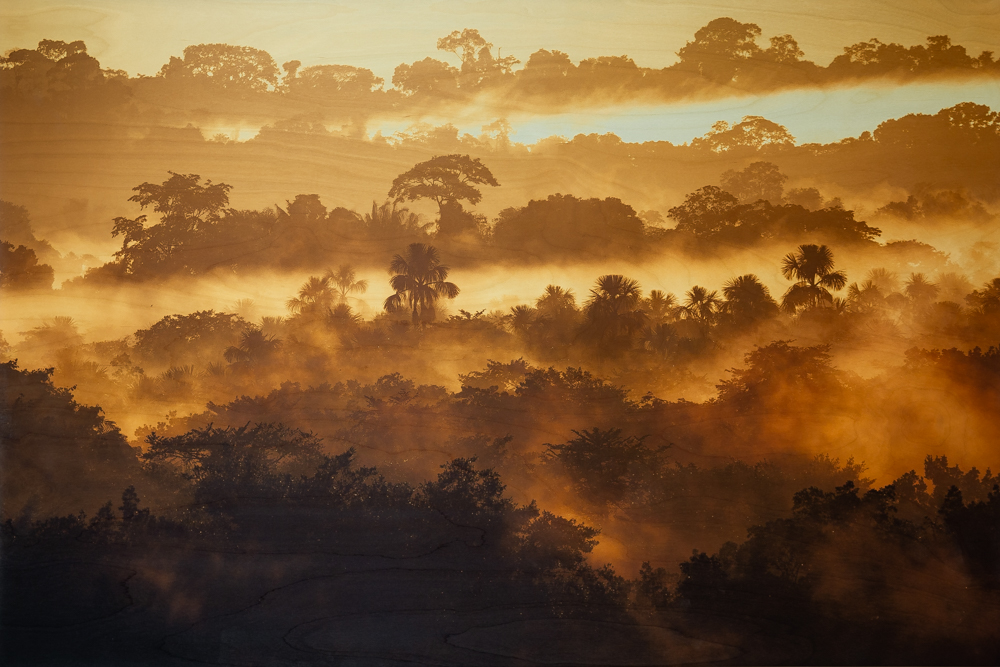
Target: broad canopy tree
[
  {"x": 231, "y": 68},
  {"x": 186, "y": 207},
  {"x": 448, "y": 180}
]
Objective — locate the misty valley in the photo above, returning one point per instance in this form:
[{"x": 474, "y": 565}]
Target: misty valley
[{"x": 325, "y": 396}]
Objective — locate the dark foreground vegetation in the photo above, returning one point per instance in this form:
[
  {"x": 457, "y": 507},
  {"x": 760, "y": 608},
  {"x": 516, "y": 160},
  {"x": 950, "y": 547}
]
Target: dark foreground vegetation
[{"x": 267, "y": 545}]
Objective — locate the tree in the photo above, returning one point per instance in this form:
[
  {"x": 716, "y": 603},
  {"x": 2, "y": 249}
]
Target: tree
[
  {"x": 606, "y": 467},
  {"x": 701, "y": 306},
  {"x": 343, "y": 281},
  {"x": 323, "y": 83},
  {"x": 227, "y": 463},
  {"x": 570, "y": 226},
  {"x": 419, "y": 280},
  {"x": 390, "y": 220},
  {"x": 753, "y": 133},
  {"x": 759, "y": 180},
  {"x": 314, "y": 298},
  {"x": 919, "y": 289},
  {"x": 446, "y": 179},
  {"x": 986, "y": 301},
  {"x": 187, "y": 208},
  {"x": 747, "y": 301},
  {"x": 178, "y": 339},
  {"x": 720, "y": 49},
  {"x": 614, "y": 313},
  {"x": 427, "y": 77},
  {"x": 704, "y": 211},
  {"x": 778, "y": 373},
  {"x": 231, "y": 68},
  {"x": 254, "y": 349},
  {"x": 660, "y": 307},
  {"x": 812, "y": 268},
  {"x": 58, "y": 455},
  {"x": 478, "y": 63},
  {"x": 784, "y": 50},
  {"x": 19, "y": 269}
]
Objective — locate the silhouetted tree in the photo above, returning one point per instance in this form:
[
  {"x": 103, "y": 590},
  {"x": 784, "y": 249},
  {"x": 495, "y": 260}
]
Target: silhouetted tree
[
  {"x": 232, "y": 68},
  {"x": 604, "y": 467},
  {"x": 720, "y": 49},
  {"x": 446, "y": 179},
  {"x": 748, "y": 301},
  {"x": 344, "y": 282},
  {"x": 19, "y": 269},
  {"x": 759, "y": 180},
  {"x": 751, "y": 133},
  {"x": 186, "y": 207},
  {"x": 919, "y": 289},
  {"x": 701, "y": 306},
  {"x": 479, "y": 66},
  {"x": 812, "y": 268},
  {"x": 419, "y": 280},
  {"x": 427, "y": 77},
  {"x": 314, "y": 298},
  {"x": 254, "y": 349},
  {"x": 613, "y": 313}
]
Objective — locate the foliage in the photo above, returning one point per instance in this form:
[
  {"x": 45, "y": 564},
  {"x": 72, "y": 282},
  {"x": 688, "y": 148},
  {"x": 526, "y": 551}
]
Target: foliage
[
  {"x": 812, "y": 268},
  {"x": 19, "y": 269},
  {"x": 603, "y": 466},
  {"x": 444, "y": 179},
  {"x": 419, "y": 280}
]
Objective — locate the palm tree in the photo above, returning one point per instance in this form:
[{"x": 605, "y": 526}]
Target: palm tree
[
  {"x": 255, "y": 348},
  {"x": 866, "y": 297},
  {"x": 812, "y": 268},
  {"x": 343, "y": 281},
  {"x": 245, "y": 308},
  {"x": 661, "y": 306},
  {"x": 701, "y": 305},
  {"x": 522, "y": 319},
  {"x": 614, "y": 311},
  {"x": 389, "y": 219},
  {"x": 920, "y": 289},
  {"x": 885, "y": 280},
  {"x": 419, "y": 280},
  {"x": 314, "y": 299},
  {"x": 556, "y": 301},
  {"x": 747, "y": 300},
  {"x": 660, "y": 339}
]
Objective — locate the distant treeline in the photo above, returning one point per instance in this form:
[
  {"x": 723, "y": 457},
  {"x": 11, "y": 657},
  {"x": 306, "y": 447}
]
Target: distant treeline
[
  {"x": 723, "y": 57},
  {"x": 198, "y": 231}
]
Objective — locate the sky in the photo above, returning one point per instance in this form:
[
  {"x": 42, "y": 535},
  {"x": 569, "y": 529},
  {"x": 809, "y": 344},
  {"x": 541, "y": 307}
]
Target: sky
[{"x": 139, "y": 36}]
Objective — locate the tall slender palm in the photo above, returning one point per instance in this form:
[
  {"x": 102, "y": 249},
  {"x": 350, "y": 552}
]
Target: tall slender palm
[
  {"x": 812, "y": 269},
  {"x": 419, "y": 280},
  {"x": 701, "y": 305},
  {"x": 747, "y": 300},
  {"x": 614, "y": 312},
  {"x": 343, "y": 282}
]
